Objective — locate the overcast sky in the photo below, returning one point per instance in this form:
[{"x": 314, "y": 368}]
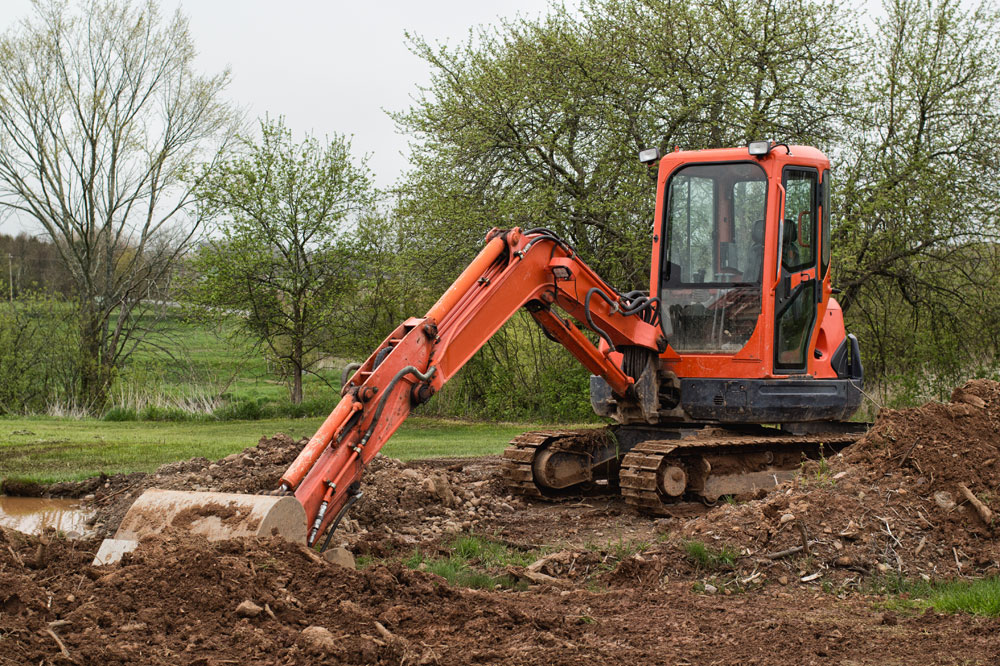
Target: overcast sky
[{"x": 328, "y": 66}]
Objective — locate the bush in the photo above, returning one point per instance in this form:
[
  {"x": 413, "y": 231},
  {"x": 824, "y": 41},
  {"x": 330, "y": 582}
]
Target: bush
[
  {"x": 121, "y": 414},
  {"x": 40, "y": 361},
  {"x": 240, "y": 410}
]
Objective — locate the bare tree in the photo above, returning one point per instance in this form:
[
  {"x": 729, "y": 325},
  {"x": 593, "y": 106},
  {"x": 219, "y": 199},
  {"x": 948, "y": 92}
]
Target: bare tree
[{"x": 101, "y": 118}]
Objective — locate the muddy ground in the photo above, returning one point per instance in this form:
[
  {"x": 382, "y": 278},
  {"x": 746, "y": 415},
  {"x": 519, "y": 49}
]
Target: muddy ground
[{"x": 788, "y": 579}]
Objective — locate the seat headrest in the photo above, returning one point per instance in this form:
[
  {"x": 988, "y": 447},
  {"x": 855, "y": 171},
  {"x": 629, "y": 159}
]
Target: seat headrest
[
  {"x": 790, "y": 233},
  {"x": 757, "y": 233}
]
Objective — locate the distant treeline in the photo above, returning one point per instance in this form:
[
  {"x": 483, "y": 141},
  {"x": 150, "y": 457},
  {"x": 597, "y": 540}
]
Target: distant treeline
[{"x": 29, "y": 264}]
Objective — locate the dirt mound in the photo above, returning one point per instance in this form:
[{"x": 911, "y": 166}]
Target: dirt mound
[
  {"x": 892, "y": 503},
  {"x": 188, "y": 601},
  {"x": 178, "y": 600},
  {"x": 407, "y": 503},
  {"x": 939, "y": 445}
]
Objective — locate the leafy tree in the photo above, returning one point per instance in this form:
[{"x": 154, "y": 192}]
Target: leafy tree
[
  {"x": 100, "y": 112},
  {"x": 538, "y": 123},
  {"x": 917, "y": 190},
  {"x": 281, "y": 266}
]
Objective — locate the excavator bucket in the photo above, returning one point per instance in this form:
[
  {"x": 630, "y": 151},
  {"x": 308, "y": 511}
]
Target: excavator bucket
[{"x": 215, "y": 516}]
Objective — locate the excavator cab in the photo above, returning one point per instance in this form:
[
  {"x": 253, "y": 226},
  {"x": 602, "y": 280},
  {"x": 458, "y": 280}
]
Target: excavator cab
[{"x": 740, "y": 263}]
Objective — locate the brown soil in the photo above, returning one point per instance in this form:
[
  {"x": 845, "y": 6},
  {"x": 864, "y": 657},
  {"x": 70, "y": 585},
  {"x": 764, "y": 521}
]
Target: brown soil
[
  {"x": 175, "y": 602},
  {"x": 890, "y": 503},
  {"x": 614, "y": 587}
]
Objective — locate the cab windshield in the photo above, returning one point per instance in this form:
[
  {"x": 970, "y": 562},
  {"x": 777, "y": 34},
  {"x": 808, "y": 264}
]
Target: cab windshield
[{"x": 713, "y": 256}]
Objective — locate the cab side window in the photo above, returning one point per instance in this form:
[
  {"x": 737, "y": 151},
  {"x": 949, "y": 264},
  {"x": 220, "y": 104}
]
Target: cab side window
[{"x": 798, "y": 241}]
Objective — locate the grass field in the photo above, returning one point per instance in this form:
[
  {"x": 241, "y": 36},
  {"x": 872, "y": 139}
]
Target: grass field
[
  {"x": 208, "y": 363},
  {"x": 49, "y": 449}
]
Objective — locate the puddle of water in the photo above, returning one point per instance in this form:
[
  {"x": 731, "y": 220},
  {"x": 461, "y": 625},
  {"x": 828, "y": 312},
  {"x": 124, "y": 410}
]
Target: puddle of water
[{"x": 32, "y": 515}]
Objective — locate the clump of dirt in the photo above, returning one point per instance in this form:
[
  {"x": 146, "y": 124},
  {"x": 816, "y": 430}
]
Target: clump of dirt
[
  {"x": 411, "y": 503},
  {"x": 891, "y": 504}
]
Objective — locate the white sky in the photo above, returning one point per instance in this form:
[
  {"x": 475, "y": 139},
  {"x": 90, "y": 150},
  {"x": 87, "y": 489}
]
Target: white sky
[{"x": 332, "y": 66}]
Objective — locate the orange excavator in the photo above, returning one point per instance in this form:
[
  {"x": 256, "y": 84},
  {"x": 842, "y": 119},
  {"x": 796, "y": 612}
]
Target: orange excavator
[{"x": 733, "y": 366}]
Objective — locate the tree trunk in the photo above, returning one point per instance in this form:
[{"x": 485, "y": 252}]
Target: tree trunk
[
  {"x": 95, "y": 375},
  {"x": 297, "y": 372}
]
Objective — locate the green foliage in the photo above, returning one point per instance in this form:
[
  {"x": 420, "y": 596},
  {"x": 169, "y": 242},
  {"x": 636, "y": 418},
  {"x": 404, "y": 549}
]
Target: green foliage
[
  {"x": 39, "y": 362},
  {"x": 470, "y": 562},
  {"x": 705, "y": 557},
  {"x": 915, "y": 233},
  {"x": 519, "y": 374},
  {"x": 538, "y": 122},
  {"x": 281, "y": 268},
  {"x": 976, "y": 597}
]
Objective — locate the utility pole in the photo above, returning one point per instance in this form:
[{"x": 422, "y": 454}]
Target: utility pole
[{"x": 10, "y": 274}]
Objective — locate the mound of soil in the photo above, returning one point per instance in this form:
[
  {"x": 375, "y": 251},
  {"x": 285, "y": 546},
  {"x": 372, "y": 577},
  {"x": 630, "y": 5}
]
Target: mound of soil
[
  {"x": 403, "y": 504},
  {"x": 891, "y": 503},
  {"x": 188, "y": 601}
]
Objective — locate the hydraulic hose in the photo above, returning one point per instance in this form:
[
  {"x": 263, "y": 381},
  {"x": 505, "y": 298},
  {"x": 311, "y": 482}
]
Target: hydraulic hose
[
  {"x": 408, "y": 370},
  {"x": 340, "y": 515}
]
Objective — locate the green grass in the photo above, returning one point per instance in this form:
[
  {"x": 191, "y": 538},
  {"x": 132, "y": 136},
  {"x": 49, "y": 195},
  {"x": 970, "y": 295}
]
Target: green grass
[
  {"x": 976, "y": 597},
  {"x": 192, "y": 360},
  {"x": 474, "y": 562},
  {"x": 46, "y": 449},
  {"x": 706, "y": 557}
]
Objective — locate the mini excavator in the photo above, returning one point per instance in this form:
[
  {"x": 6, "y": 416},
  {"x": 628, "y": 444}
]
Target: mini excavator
[{"x": 732, "y": 367}]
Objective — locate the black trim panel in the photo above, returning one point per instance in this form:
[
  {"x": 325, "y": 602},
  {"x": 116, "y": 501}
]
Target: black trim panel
[{"x": 769, "y": 400}]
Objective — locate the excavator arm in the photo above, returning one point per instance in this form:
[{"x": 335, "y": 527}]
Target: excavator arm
[{"x": 534, "y": 270}]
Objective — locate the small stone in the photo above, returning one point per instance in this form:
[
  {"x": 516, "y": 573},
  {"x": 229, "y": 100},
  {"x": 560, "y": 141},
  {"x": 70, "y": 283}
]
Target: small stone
[
  {"x": 787, "y": 518},
  {"x": 944, "y": 500},
  {"x": 710, "y": 589},
  {"x": 70, "y": 598},
  {"x": 844, "y": 561},
  {"x": 248, "y": 609},
  {"x": 882, "y": 568},
  {"x": 317, "y": 638},
  {"x": 340, "y": 556},
  {"x": 783, "y": 580},
  {"x": 133, "y": 626}
]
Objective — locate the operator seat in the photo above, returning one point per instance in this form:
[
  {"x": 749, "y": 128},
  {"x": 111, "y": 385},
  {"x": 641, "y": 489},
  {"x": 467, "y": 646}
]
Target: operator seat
[
  {"x": 790, "y": 248},
  {"x": 755, "y": 260}
]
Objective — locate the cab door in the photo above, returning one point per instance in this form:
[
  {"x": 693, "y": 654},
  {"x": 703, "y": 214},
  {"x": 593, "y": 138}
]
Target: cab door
[{"x": 797, "y": 293}]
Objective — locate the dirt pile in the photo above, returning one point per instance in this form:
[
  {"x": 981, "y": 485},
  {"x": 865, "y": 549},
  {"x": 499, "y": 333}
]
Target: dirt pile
[
  {"x": 188, "y": 601},
  {"x": 404, "y": 503},
  {"x": 892, "y": 503},
  {"x": 252, "y": 470},
  {"x": 183, "y": 599}
]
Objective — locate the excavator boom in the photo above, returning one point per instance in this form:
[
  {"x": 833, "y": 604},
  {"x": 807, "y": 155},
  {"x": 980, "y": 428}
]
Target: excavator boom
[{"x": 533, "y": 269}]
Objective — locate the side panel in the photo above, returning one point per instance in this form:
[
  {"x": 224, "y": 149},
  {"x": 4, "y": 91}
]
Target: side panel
[{"x": 769, "y": 400}]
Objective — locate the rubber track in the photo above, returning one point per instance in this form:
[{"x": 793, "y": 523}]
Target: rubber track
[
  {"x": 520, "y": 454},
  {"x": 639, "y": 466}
]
